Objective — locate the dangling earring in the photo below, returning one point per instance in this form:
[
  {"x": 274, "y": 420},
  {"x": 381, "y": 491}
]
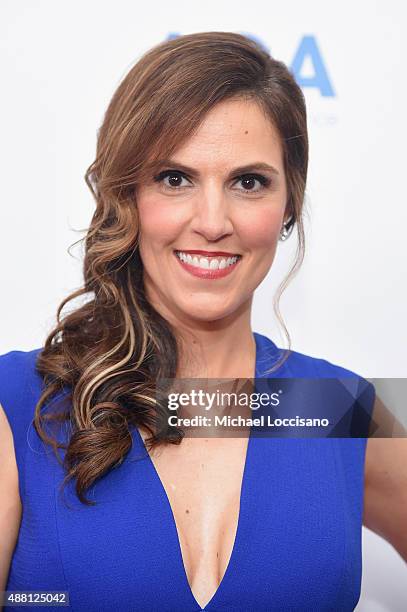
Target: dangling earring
[{"x": 284, "y": 233}]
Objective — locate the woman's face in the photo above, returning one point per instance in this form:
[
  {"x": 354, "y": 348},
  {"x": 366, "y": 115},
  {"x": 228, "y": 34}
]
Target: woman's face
[{"x": 210, "y": 216}]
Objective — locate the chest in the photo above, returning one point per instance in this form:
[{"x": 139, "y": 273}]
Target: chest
[{"x": 202, "y": 479}]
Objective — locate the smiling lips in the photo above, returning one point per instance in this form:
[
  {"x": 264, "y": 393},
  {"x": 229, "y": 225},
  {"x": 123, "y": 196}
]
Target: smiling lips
[{"x": 208, "y": 265}]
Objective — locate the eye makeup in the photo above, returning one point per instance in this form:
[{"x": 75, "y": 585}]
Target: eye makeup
[{"x": 264, "y": 181}]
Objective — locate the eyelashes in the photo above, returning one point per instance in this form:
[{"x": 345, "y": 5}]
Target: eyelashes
[{"x": 249, "y": 178}]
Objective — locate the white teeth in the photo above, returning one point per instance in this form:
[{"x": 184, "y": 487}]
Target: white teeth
[{"x": 212, "y": 263}]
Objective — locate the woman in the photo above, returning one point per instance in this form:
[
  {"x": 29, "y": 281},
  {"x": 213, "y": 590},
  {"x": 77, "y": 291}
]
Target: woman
[{"x": 200, "y": 170}]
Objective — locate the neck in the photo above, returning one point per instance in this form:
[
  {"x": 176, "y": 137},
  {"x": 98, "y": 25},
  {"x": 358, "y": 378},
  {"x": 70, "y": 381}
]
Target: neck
[
  {"x": 221, "y": 348},
  {"x": 217, "y": 350}
]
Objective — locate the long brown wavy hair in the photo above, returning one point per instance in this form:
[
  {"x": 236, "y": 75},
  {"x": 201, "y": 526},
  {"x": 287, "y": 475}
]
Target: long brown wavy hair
[{"x": 109, "y": 351}]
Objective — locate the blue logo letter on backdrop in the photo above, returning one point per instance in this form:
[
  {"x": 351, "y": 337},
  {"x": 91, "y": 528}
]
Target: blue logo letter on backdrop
[{"x": 308, "y": 48}]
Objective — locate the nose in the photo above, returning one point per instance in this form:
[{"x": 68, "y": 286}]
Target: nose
[{"x": 212, "y": 213}]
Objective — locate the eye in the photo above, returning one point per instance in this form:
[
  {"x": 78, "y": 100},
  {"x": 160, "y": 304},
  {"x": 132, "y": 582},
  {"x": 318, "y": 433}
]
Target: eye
[
  {"x": 175, "y": 178},
  {"x": 249, "y": 182}
]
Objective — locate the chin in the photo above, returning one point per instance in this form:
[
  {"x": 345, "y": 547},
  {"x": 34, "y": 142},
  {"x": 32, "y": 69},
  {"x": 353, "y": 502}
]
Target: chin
[{"x": 207, "y": 312}]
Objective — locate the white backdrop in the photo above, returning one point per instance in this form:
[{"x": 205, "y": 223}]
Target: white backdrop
[{"x": 61, "y": 62}]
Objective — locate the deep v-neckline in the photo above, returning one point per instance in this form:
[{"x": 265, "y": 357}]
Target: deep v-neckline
[{"x": 230, "y": 567}]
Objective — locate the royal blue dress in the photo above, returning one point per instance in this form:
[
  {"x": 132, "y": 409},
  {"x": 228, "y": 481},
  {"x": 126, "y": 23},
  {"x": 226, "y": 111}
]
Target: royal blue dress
[{"x": 298, "y": 540}]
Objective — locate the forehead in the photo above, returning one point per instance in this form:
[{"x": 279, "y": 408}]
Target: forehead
[{"x": 233, "y": 133}]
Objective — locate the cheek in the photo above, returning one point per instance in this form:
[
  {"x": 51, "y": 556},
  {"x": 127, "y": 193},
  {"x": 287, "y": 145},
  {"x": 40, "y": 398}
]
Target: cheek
[
  {"x": 160, "y": 222},
  {"x": 261, "y": 229}
]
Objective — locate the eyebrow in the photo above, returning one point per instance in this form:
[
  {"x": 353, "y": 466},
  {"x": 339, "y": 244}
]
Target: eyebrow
[{"x": 255, "y": 166}]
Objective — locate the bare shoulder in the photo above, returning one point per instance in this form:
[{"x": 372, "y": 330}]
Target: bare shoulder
[
  {"x": 385, "y": 507},
  {"x": 8, "y": 462},
  {"x": 376, "y": 470},
  {"x": 386, "y": 455},
  {"x": 10, "y": 508}
]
